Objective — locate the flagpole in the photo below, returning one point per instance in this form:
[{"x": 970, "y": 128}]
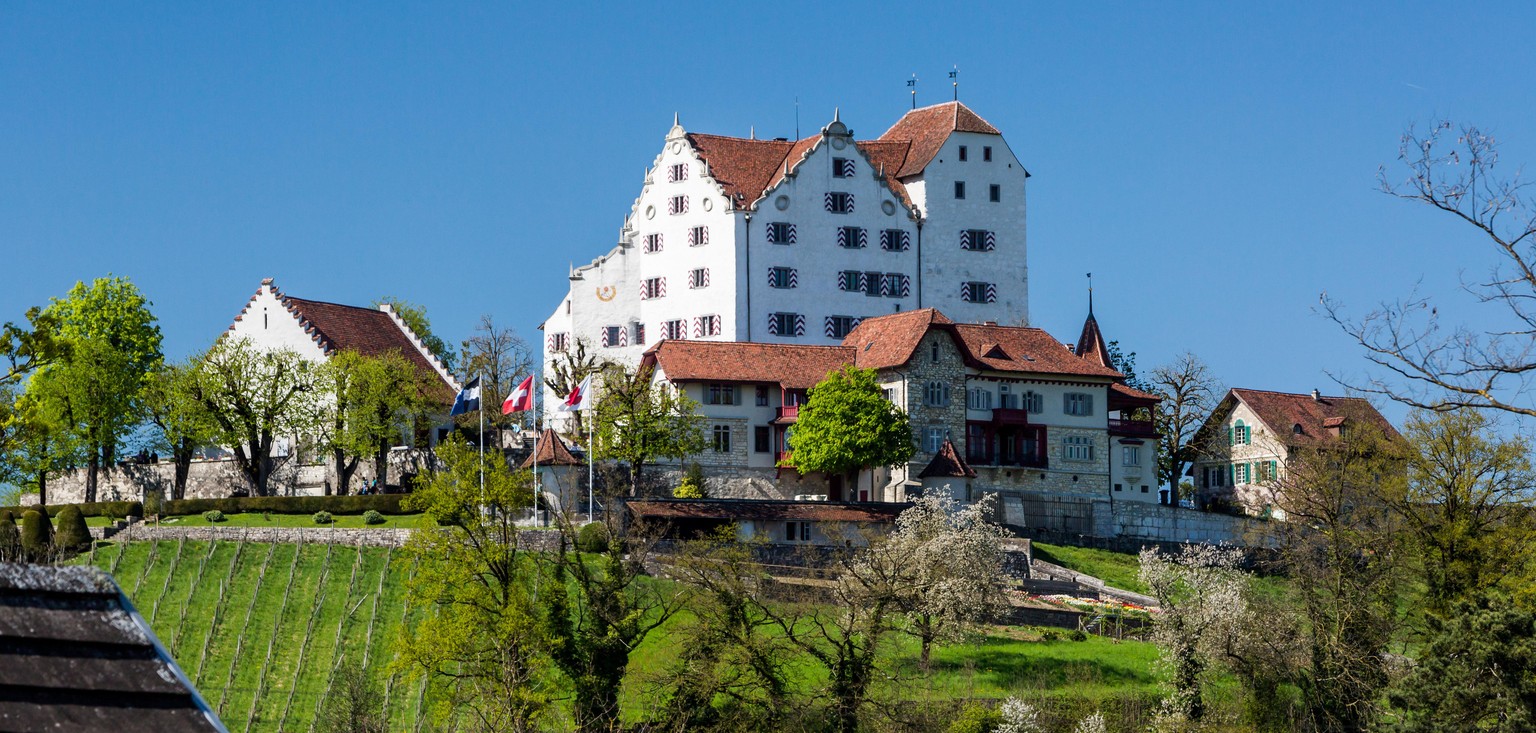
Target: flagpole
[
  {"x": 537, "y": 435},
  {"x": 480, "y": 408},
  {"x": 591, "y": 447}
]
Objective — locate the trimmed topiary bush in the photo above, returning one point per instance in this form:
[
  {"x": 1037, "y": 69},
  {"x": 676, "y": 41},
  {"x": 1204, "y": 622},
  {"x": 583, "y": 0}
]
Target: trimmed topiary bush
[
  {"x": 323, "y": 518},
  {"x": 349, "y": 505},
  {"x": 73, "y": 535},
  {"x": 10, "y": 539},
  {"x": 592, "y": 537},
  {"x": 88, "y": 509},
  {"x": 36, "y": 536},
  {"x": 372, "y": 517},
  {"x": 213, "y": 515}
]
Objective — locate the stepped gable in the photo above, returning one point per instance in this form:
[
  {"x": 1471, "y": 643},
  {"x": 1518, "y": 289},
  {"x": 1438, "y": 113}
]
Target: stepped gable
[
  {"x": 948, "y": 463},
  {"x": 367, "y": 331},
  {"x": 551, "y": 452},
  {"x": 76, "y": 655},
  {"x": 926, "y": 128},
  {"x": 889, "y": 341},
  {"x": 1280, "y": 411},
  {"x": 1022, "y": 349},
  {"x": 789, "y": 365}
]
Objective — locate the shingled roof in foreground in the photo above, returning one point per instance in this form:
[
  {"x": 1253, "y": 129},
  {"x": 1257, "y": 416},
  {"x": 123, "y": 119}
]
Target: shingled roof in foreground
[{"x": 76, "y": 655}]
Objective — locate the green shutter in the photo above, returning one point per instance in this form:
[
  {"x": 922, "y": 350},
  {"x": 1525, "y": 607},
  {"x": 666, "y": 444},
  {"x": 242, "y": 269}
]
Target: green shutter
[{"x": 1229, "y": 436}]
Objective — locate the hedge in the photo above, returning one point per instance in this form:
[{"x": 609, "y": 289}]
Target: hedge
[
  {"x": 381, "y": 503},
  {"x": 118, "y": 509}
]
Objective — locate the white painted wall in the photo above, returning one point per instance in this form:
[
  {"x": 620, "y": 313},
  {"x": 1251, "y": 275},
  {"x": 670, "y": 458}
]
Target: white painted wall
[{"x": 269, "y": 325}]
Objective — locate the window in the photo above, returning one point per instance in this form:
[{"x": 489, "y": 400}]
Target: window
[
  {"x": 850, "y": 281},
  {"x": 762, "y": 396},
  {"x": 1034, "y": 402},
  {"x": 698, "y": 278},
  {"x": 840, "y": 326},
  {"x": 978, "y": 399},
  {"x": 720, "y": 394},
  {"x": 986, "y": 153},
  {"x": 839, "y": 203},
  {"x": 678, "y": 172},
  {"x": 639, "y": 334},
  {"x": 1239, "y": 473},
  {"x": 782, "y": 277},
  {"x": 964, "y": 154},
  {"x": 933, "y": 439},
  {"x": 786, "y": 324},
  {"x": 706, "y": 326},
  {"x": 874, "y": 284},
  {"x": 559, "y": 341},
  {"x": 994, "y": 193},
  {"x": 652, "y": 288},
  {"x": 959, "y": 189},
  {"x": 1077, "y": 403},
  {"x": 722, "y": 439},
  {"x": 781, "y": 232},
  {"x": 614, "y": 337},
  {"x": 1077, "y": 448},
  {"x": 978, "y": 292},
  {"x": 852, "y": 237},
  {"x": 842, "y": 168},
  {"x": 1268, "y": 470},
  {"x": 978, "y": 240},
  {"x": 1006, "y": 399},
  {"x": 1240, "y": 434},
  {"x": 897, "y": 285},
  {"x": 1117, "y": 487},
  {"x": 1143, "y": 488},
  {"x": 672, "y": 329},
  {"x": 677, "y": 205},
  {"x": 652, "y": 243},
  {"x": 762, "y": 439},
  {"x": 936, "y": 394},
  {"x": 1131, "y": 455},
  {"x": 895, "y": 240},
  {"x": 933, "y": 352},
  {"x": 698, "y": 236},
  {"x": 797, "y": 531},
  {"x": 889, "y": 394}
]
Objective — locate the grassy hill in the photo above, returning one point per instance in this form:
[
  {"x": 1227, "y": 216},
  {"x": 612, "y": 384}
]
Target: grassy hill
[{"x": 260, "y": 629}]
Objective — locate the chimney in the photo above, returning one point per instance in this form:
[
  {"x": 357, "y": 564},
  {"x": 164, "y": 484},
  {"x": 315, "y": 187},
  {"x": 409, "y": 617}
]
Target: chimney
[
  {"x": 989, "y": 323},
  {"x": 1316, "y": 397}
]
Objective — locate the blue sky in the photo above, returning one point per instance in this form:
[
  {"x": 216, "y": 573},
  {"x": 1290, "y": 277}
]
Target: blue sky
[{"x": 1212, "y": 164}]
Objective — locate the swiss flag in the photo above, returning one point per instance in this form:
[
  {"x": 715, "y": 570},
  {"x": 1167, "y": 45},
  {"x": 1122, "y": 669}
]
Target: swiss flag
[
  {"x": 520, "y": 399},
  {"x": 579, "y": 398}
]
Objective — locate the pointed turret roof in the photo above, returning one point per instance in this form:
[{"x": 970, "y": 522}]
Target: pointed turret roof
[
  {"x": 551, "y": 452},
  {"x": 1091, "y": 345},
  {"x": 948, "y": 463}
]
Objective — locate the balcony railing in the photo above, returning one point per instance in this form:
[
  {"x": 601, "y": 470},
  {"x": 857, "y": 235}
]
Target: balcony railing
[
  {"x": 789, "y": 413},
  {"x": 1143, "y": 428},
  {"x": 1020, "y": 461}
]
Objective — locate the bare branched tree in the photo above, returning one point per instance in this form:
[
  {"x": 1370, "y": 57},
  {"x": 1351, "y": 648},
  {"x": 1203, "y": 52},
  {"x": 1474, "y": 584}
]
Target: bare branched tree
[
  {"x": 1189, "y": 392},
  {"x": 502, "y": 359},
  {"x": 1442, "y": 367}
]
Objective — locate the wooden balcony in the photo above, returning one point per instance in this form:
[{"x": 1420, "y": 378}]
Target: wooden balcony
[
  {"x": 1137, "y": 428},
  {"x": 788, "y": 414}
]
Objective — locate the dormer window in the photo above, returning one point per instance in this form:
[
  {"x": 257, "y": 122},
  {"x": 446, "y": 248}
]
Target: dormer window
[{"x": 1296, "y": 429}]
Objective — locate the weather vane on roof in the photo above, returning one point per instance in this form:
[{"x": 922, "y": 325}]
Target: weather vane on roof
[
  {"x": 954, "y": 81},
  {"x": 912, "y": 84}
]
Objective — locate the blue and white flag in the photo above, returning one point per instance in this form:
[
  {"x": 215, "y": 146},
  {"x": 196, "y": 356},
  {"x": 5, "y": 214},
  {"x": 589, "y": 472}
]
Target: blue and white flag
[{"x": 468, "y": 399}]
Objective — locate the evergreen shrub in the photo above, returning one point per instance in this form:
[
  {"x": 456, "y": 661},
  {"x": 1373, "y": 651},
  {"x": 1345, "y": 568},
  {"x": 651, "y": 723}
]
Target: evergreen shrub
[
  {"x": 323, "y": 517},
  {"x": 213, "y": 515},
  {"x": 976, "y": 718},
  {"x": 36, "y": 535},
  {"x": 73, "y": 535},
  {"x": 592, "y": 537},
  {"x": 347, "y": 505},
  {"x": 10, "y": 539},
  {"x": 372, "y": 517}
]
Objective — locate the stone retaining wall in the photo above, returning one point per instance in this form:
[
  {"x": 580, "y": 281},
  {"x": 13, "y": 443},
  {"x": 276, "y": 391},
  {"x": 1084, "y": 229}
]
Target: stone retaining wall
[{"x": 540, "y": 540}]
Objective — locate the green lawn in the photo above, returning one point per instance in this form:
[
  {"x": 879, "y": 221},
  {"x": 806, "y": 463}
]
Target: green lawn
[{"x": 1118, "y": 569}]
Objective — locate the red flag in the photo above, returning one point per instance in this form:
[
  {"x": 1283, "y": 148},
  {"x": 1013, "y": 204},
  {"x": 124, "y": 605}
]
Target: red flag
[{"x": 520, "y": 399}]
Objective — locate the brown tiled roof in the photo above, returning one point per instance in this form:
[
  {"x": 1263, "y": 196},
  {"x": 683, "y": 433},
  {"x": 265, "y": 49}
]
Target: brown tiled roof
[
  {"x": 948, "y": 462},
  {"x": 739, "y": 509},
  {"x": 1282, "y": 410},
  {"x": 75, "y": 655},
  {"x": 888, "y": 341},
  {"x": 791, "y": 365},
  {"x": 887, "y": 157},
  {"x": 367, "y": 331},
  {"x": 551, "y": 452},
  {"x": 1091, "y": 345},
  {"x": 1132, "y": 393},
  {"x": 742, "y": 167},
  {"x": 1024, "y": 350},
  {"x": 928, "y": 127}
]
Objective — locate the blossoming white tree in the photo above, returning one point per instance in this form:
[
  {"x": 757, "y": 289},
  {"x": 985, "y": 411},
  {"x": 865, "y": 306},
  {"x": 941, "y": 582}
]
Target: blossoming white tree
[{"x": 1201, "y": 592}]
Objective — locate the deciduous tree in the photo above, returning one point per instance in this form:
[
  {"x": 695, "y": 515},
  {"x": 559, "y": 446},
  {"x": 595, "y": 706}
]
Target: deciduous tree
[
  {"x": 372, "y": 402},
  {"x": 182, "y": 423},
  {"x": 502, "y": 359},
  {"x": 638, "y": 420},
  {"x": 847, "y": 426},
  {"x": 1200, "y": 594},
  {"x": 415, "y": 316},
  {"x": 1189, "y": 393}
]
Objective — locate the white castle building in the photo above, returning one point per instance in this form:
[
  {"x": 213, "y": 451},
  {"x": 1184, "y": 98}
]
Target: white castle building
[{"x": 778, "y": 241}]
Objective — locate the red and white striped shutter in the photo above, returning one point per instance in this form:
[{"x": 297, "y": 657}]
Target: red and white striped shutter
[
  {"x": 663, "y": 283},
  {"x": 842, "y": 236},
  {"x": 794, "y": 277},
  {"x": 698, "y": 326},
  {"x": 799, "y": 325},
  {"x": 906, "y": 286},
  {"x": 706, "y": 278},
  {"x": 828, "y": 201},
  {"x": 847, "y": 168},
  {"x": 965, "y": 239},
  {"x": 886, "y": 285},
  {"x": 863, "y": 237},
  {"x": 991, "y": 242},
  {"x": 773, "y": 324},
  {"x": 906, "y": 241},
  {"x": 991, "y": 292},
  {"x": 605, "y": 337},
  {"x": 792, "y": 234}
]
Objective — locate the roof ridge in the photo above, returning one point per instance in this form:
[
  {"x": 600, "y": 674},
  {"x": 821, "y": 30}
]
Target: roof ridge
[{"x": 1307, "y": 395}]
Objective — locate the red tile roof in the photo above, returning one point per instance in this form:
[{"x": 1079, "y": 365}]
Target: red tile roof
[
  {"x": 744, "y": 168},
  {"x": 948, "y": 462},
  {"x": 889, "y": 341},
  {"x": 1023, "y": 350},
  {"x": 1280, "y": 411},
  {"x": 739, "y": 509},
  {"x": 887, "y": 158},
  {"x": 1132, "y": 393},
  {"x": 1090, "y": 343},
  {"x": 790, "y": 365},
  {"x": 367, "y": 331},
  {"x": 928, "y": 127},
  {"x": 551, "y": 452}
]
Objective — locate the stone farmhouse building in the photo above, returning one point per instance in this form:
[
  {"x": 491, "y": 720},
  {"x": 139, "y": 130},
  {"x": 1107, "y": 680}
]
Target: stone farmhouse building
[
  {"x": 1003, "y": 409},
  {"x": 1252, "y": 434},
  {"x": 795, "y": 242}
]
